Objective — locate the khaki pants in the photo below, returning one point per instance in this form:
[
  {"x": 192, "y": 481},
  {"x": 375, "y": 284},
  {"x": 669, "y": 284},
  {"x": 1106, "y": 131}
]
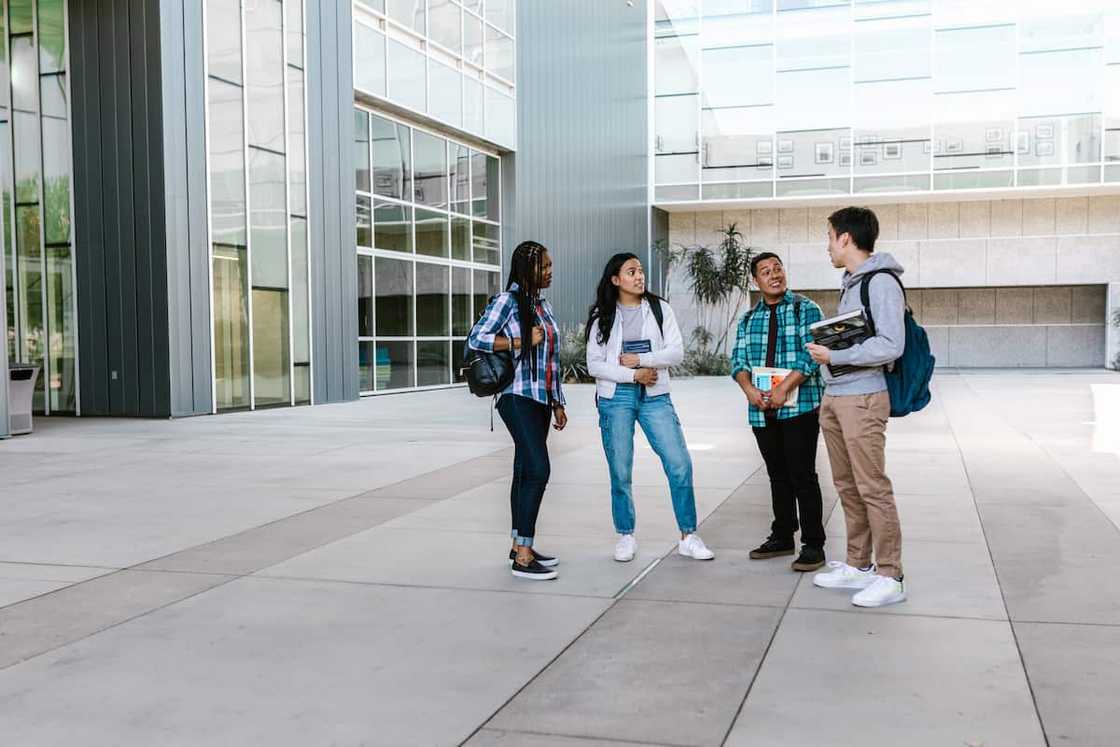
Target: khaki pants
[{"x": 854, "y": 429}]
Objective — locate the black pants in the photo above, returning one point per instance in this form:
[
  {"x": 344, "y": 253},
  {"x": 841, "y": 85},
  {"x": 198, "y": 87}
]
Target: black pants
[
  {"x": 527, "y": 422},
  {"x": 789, "y": 448}
]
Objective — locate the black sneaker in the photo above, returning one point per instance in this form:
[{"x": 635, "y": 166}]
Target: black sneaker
[
  {"x": 534, "y": 571},
  {"x": 773, "y": 548},
  {"x": 810, "y": 559},
  {"x": 544, "y": 560}
]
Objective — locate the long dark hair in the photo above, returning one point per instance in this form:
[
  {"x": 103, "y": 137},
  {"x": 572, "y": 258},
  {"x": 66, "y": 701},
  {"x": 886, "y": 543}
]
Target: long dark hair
[
  {"x": 606, "y": 298},
  {"x": 525, "y": 270}
]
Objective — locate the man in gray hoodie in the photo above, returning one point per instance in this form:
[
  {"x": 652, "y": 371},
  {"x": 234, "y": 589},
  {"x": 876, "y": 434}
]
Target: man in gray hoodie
[{"x": 854, "y": 415}]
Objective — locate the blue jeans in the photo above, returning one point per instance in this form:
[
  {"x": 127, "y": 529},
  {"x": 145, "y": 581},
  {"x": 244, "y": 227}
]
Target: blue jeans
[
  {"x": 527, "y": 422},
  {"x": 659, "y": 422}
]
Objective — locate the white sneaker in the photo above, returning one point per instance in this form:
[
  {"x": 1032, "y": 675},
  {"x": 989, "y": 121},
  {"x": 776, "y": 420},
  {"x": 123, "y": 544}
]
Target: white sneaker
[
  {"x": 883, "y": 590},
  {"x": 625, "y": 549},
  {"x": 693, "y": 547},
  {"x": 844, "y": 576}
]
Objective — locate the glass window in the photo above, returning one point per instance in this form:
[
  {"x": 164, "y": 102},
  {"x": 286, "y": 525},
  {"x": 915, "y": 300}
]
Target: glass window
[
  {"x": 407, "y": 76},
  {"x": 458, "y": 348},
  {"x": 361, "y": 150},
  {"x": 26, "y": 131},
  {"x": 294, "y": 10},
  {"x": 433, "y": 298},
  {"x": 1062, "y": 82},
  {"x": 392, "y": 158},
  {"x": 675, "y": 16},
  {"x": 892, "y": 126},
  {"x": 33, "y": 342},
  {"x": 813, "y": 153},
  {"x": 392, "y": 226},
  {"x": 675, "y": 169},
  {"x": 972, "y": 59},
  {"x": 231, "y": 328},
  {"x": 223, "y": 39},
  {"x": 433, "y": 363},
  {"x": 740, "y": 76},
  {"x": 472, "y": 105},
  {"x": 738, "y": 145},
  {"x": 365, "y": 296},
  {"x": 301, "y": 314},
  {"x": 486, "y": 284},
  {"x": 431, "y": 233},
  {"x": 369, "y": 60},
  {"x": 366, "y": 355},
  {"x": 893, "y": 48},
  {"x": 816, "y": 38},
  {"x": 21, "y": 18},
  {"x": 460, "y": 178},
  {"x": 676, "y": 59},
  {"x": 227, "y": 164},
  {"x": 460, "y": 238},
  {"x": 264, "y": 73},
  {"x": 52, "y": 36},
  {"x": 394, "y": 316},
  {"x": 56, "y": 160},
  {"x": 430, "y": 172},
  {"x": 484, "y": 185},
  {"x": 738, "y": 27},
  {"x": 447, "y": 95},
  {"x": 461, "y": 319},
  {"x": 297, "y": 158},
  {"x": 502, "y": 13},
  {"x": 1046, "y": 141},
  {"x": 487, "y": 243},
  {"x": 394, "y": 365},
  {"x": 363, "y": 219},
  {"x": 60, "y": 305},
  {"x": 499, "y": 54},
  {"x": 675, "y": 123},
  {"x": 1059, "y": 27},
  {"x": 973, "y": 130},
  {"x": 268, "y": 237},
  {"x": 24, "y": 74},
  {"x": 813, "y": 98},
  {"x": 472, "y": 39},
  {"x": 444, "y": 21},
  {"x": 501, "y": 117},
  {"x": 272, "y": 367},
  {"x": 408, "y": 13}
]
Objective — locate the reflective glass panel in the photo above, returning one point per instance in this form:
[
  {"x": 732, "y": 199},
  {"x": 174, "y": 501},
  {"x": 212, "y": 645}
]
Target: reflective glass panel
[
  {"x": 393, "y": 365},
  {"x": 738, "y": 76},
  {"x": 813, "y": 153},
  {"x": 20, "y": 16},
  {"x": 56, "y": 160},
  {"x": 33, "y": 341},
  {"x": 365, "y": 296},
  {"x": 272, "y": 366},
  {"x": 52, "y": 36},
  {"x": 485, "y": 180},
  {"x": 431, "y": 233},
  {"x": 369, "y": 60},
  {"x": 460, "y": 238},
  {"x": 472, "y": 105},
  {"x": 24, "y": 74},
  {"x": 971, "y": 59},
  {"x": 392, "y": 227},
  {"x": 297, "y": 160},
  {"x": 892, "y": 49},
  {"x": 487, "y": 243},
  {"x": 394, "y": 314},
  {"x": 461, "y": 319},
  {"x": 268, "y": 236},
  {"x": 366, "y": 356},
  {"x": 301, "y": 302},
  {"x": 264, "y": 72},
  {"x": 815, "y": 38},
  {"x": 408, "y": 13},
  {"x": 738, "y": 145},
  {"x": 676, "y": 60},
  {"x": 447, "y": 95},
  {"x": 227, "y": 164},
  {"x": 231, "y": 327},
  {"x": 460, "y": 178},
  {"x": 430, "y": 173},
  {"x": 433, "y": 299},
  {"x": 501, "y": 117},
  {"x": 675, "y": 123},
  {"x": 223, "y": 39},
  {"x": 735, "y": 27},
  {"x": 486, "y": 284},
  {"x": 433, "y": 363},
  {"x": 1062, "y": 82},
  {"x": 363, "y": 220},
  {"x": 499, "y": 54},
  {"x": 472, "y": 39},
  {"x": 444, "y": 23},
  {"x": 674, "y": 169},
  {"x": 362, "y": 151},
  {"x": 973, "y": 130},
  {"x": 458, "y": 348},
  {"x": 407, "y": 76},
  {"x": 294, "y": 9},
  {"x": 502, "y": 13},
  {"x": 392, "y": 158},
  {"x": 26, "y": 132},
  {"x": 62, "y": 355}
]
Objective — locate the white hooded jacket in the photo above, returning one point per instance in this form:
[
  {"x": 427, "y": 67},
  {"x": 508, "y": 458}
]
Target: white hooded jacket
[{"x": 667, "y": 349}]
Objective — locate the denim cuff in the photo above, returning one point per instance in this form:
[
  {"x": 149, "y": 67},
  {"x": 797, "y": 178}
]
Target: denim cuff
[
  {"x": 513, "y": 533},
  {"x": 523, "y": 541}
]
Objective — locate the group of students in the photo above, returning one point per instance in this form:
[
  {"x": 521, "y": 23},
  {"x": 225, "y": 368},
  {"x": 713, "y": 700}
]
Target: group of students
[{"x": 633, "y": 340}]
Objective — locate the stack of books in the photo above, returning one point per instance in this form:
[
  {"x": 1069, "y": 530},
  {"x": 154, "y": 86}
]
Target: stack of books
[{"x": 841, "y": 332}]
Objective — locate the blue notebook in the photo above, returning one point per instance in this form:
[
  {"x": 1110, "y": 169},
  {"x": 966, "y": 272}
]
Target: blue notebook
[{"x": 636, "y": 346}]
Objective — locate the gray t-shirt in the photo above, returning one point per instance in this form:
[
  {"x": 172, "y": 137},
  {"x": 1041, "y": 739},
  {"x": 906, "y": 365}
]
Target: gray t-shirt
[{"x": 631, "y": 322}]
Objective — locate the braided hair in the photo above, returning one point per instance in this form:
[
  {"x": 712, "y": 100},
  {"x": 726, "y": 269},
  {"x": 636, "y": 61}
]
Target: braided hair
[{"x": 525, "y": 270}]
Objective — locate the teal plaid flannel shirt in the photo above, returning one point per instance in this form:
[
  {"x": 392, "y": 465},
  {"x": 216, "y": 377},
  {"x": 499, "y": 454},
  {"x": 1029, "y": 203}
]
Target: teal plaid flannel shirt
[{"x": 793, "y": 333}]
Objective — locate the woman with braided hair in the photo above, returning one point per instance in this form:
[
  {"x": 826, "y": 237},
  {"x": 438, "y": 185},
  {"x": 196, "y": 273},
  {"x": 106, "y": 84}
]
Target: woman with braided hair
[{"x": 520, "y": 320}]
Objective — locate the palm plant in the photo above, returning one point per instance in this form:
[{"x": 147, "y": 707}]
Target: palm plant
[{"x": 719, "y": 280}]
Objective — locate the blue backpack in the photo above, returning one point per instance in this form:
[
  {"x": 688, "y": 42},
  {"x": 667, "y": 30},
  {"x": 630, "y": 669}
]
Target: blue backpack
[{"x": 908, "y": 379}]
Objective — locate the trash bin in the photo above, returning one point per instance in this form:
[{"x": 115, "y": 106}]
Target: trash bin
[{"x": 21, "y": 393}]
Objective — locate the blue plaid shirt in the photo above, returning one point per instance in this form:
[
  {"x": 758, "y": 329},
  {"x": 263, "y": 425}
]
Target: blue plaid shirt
[
  {"x": 751, "y": 342},
  {"x": 501, "y": 318}
]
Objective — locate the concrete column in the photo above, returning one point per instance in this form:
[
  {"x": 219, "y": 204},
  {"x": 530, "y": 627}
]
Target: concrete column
[{"x": 1112, "y": 328}]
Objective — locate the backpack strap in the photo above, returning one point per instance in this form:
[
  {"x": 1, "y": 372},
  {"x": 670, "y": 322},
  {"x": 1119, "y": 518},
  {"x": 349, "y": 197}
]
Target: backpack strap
[
  {"x": 865, "y": 293},
  {"x": 658, "y": 313}
]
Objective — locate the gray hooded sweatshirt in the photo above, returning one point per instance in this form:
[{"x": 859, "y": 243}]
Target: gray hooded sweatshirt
[{"x": 888, "y": 305}]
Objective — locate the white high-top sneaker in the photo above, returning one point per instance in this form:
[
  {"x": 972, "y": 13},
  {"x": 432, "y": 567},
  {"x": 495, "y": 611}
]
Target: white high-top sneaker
[
  {"x": 883, "y": 590},
  {"x": 844, "y": 576},
  {"x": 625, "y": 549},
  {"x": 693, "y": 547}
]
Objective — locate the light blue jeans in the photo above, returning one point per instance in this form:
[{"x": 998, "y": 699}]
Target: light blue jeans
[{"x": 659, "y": 422}]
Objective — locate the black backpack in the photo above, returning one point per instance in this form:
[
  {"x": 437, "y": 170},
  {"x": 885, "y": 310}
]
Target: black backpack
[{"x": 488, "y": 374}]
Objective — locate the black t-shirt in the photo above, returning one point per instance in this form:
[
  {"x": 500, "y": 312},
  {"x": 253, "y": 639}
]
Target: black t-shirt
[{"x": 771, "y": 345}]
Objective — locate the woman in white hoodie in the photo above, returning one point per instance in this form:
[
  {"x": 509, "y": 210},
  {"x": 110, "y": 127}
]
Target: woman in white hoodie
[{"x": 632, "y": 340}]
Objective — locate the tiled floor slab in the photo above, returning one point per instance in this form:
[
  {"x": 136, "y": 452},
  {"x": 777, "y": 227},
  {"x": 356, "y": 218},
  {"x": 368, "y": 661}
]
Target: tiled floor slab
[
  {"x": 293, "y": 663},
  {"x": 930, "y": 518},
  {"x": 496, "y": 738},
  {"x": 886, "y": 680},
  {"x": 648, "y": 671},
  {"x": 731, "y": 578}
]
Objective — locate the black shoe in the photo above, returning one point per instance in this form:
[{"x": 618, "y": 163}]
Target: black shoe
[
  {"x": 534, "y": 571},
  {"x": 544, "y": 560},
  {"x": 773, "y": 548},
  {"x": 810, "y": 559}
]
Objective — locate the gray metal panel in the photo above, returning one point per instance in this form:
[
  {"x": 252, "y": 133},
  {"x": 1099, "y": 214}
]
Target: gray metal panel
[
  {"x": 582, "y": 160},
  {"x": 184, "y": 164},
  {"x": 119, "y": 236},
  {"x": 334, "y": 274}
]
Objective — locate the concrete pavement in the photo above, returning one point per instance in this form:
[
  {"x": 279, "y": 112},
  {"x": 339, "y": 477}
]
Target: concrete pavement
[{"x": 336, "y": 575}]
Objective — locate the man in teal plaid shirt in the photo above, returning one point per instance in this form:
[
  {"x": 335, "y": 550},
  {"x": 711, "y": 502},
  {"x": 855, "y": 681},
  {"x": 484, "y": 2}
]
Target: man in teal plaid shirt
[{"x": 774, "y": 334}]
